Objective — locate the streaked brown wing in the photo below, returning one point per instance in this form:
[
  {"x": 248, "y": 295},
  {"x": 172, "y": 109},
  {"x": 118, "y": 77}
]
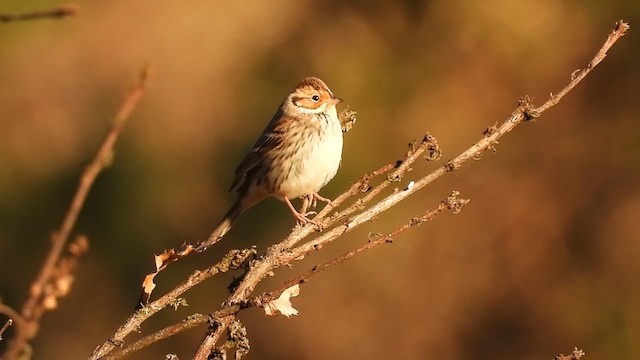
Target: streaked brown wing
[{"x": 270, "y": 139}]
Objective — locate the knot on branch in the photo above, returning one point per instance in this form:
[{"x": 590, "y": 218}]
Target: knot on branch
[
  {"x": 432, "y": 148},
  {"x": 364, "y": 187},
  {"x": 214, "y": 321},
  {"x": 236, "y": 258},
  {"x": 527, "y": 109},
  {"x": 176, "y": 303},
  {"x": 575, "y": 355},
  {"x": 415, "y": 150},
  {"x": 451, "y": 166},
  {"x": 490, "y": 130},
  {"x": 412, "y": 147},
  {"x": 394, "y": 177},
  {"x": 116, "y": 342},
  {"x": 454, "y": 203},
  {"x": 237, "y": 338},
  {"x": 621, "y": 27}
]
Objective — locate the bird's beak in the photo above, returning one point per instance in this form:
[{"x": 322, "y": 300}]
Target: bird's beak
[{"x": 335, "y": 100}]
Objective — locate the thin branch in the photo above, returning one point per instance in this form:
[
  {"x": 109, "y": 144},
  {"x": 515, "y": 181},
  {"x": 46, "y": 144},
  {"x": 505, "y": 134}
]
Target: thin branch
[
  {"x": 101, "y": 160},
  {"x": 361, "y": 186},
  {"x": 233, "y": 260},
  {"x": 56, "y": 13},
  {"x": 285, "y": 253},
  {"x": 428, "y": 143},
  {"x": 577, "y": 76},
  {"x": 450, "y": 203},
  {"x": 221, "y": 317},
  {"x": 5, "y": 327},
  {"x": 281, "y": 254},
  {"x": 14, "y": 316},
  {"x": 190, "y": 322},
  {"x": 141, "y": 315},
  {"x": 35, "y": 305},
  {"x": 208, "y": 345},
  {"x": 10, "y": 313}
]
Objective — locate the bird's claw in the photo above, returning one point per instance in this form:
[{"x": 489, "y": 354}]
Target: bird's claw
[{"x": 303, "y": 220}]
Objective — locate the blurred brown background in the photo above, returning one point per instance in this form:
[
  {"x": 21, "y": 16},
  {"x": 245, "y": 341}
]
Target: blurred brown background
[{"x": 545, "y": 257}]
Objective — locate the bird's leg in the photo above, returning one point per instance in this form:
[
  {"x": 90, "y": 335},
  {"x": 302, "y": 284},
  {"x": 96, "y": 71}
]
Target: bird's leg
[
  {"x": 301, "y": 217},
  {"x": 310, "y": 201},
  {"x": 315, "y": 196},
  {"x": 306, "y": 204}
]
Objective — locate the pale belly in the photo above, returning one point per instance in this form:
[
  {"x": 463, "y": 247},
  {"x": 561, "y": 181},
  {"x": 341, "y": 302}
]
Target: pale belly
[{"x": 314, "y": 163}]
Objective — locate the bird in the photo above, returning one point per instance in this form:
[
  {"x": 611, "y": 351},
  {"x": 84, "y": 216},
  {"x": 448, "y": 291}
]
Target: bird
[{"x": 298, "y": 153}]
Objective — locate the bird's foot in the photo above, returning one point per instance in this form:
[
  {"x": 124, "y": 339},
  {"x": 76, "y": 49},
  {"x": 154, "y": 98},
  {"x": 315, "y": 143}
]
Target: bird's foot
[
  {"x": 315, "y": 197},
  {"x": 302, "y": 220},
  {"x": 310, "y": 201}
]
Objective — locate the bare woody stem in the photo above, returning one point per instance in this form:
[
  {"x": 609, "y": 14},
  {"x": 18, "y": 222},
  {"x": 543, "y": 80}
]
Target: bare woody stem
[
  {"x": 451, "y": 203},
  {"x": 33, "y": 308},
  {"x": 277, "y": 257},
  {"x": 56, "y": 13},
  {"x": 207, "y": 345},
  {"x": 285, "y": 253},
  {"x": 5, "y": 327},
  {"x": 233, "y": 260}
]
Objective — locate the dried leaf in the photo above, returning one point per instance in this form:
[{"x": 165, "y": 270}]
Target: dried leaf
[
  {"x": 161, "y": 262},
  {"x": 282, "y": 303},
  {"x": 148, "y": 285}
]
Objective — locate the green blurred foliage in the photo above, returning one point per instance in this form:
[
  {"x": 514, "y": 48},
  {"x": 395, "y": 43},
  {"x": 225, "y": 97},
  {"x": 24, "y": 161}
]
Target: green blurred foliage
[{"x": 544, "y": 258}]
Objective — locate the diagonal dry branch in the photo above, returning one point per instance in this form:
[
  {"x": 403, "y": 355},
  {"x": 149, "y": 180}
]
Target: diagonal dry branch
[
  {"x": 55, "y": 13},
  {"x": 356, "y": 214},
  {"x": 135, "y": 320},
  {"x": 450, "y": 203},
  {"x": 56, "y": 269},
  {"x": 277, "y": 256},
  {"x": 233, "y": 260},
  {"x": 5, "y": 327}
]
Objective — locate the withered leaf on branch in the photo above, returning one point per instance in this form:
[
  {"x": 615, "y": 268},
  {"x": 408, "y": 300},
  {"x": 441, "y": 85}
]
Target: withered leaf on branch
[
  {"x": 161, "y": 261},
  {"x": 283, "y": 303}
]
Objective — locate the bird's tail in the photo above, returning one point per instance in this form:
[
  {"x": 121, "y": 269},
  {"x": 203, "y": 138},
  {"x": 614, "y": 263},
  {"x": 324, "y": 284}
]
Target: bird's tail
[{"x": 223, "y": 227}]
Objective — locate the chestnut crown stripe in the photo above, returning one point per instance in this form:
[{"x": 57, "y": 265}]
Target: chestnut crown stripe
[{"x": 314, "y": 83}]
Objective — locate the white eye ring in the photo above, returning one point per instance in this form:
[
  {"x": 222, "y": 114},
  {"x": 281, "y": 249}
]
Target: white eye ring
[{"x": 315, "y": 98}]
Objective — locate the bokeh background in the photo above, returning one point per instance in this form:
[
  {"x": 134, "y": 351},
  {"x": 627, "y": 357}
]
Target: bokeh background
[{"x": 545, "y": 257}]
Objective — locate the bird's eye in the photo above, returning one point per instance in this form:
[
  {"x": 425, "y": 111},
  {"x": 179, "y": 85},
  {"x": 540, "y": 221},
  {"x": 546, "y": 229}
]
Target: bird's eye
[{"x": 315, "y": 98}]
